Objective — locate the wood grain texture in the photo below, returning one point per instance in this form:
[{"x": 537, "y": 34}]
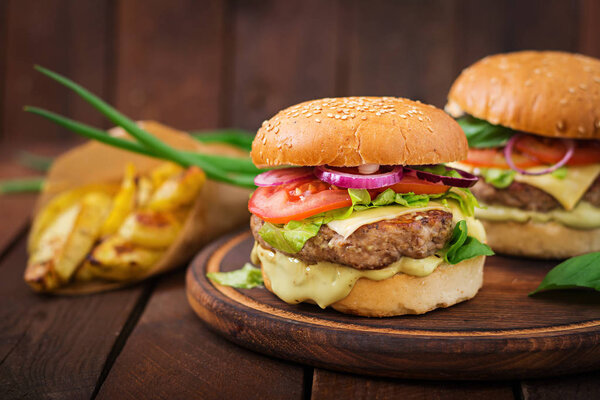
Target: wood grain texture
[
  {"x": 589, "y": 37},
  {"x": 54, "y": 347},
  {"x": 44, "y": 33},
  {"x": 328, "y": 385},
  {"x": 402, "y": 48},
  {"x": 169, "y": 61},
  {"x": 579, "y": 387},
  {"x": 284, "y": 52},
  {"x": 171, "y": 354},
  {"x": 501, "y": 333}
]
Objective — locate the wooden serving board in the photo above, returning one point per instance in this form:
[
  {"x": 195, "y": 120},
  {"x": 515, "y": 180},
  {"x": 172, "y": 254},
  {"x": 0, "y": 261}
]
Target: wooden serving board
[{"x": 500, "y": 334}]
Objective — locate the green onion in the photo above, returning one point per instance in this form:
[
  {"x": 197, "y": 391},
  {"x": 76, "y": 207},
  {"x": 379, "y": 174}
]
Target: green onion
[
  {"x": 234, "y": 170},
  {"x": 21, "y": 185},
  {"x": 35, "y": 161},
  {"x": 235, "y": 137}
]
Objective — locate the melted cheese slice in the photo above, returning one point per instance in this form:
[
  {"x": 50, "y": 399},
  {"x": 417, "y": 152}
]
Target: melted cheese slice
[
  {"x": 346, "y": 227},
  {"x": 567, "y": 191}
]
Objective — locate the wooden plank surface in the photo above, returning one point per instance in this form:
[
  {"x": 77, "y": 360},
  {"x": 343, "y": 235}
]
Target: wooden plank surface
[
  {"x": 169, "y": 61},
  {"x": 402, "y": 48},
  {"x": 55, "y": 347},
  {"x": 44, "y": 33},
  {"x": 589, "y": 38},
  {"x": 171, "y": 354},
  {"x": 583, "y": 386},
  {"x": 284, "y": 52},
  {"x": 328, "y": 385}
]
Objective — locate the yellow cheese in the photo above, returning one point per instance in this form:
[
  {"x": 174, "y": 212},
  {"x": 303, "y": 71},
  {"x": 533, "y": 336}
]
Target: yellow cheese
[
  {"x": 584, "y": 216},
  {"x": 346, "y": 227},
  {"x": 325, "y": 283},
  {"x": 567, "y": 191}
]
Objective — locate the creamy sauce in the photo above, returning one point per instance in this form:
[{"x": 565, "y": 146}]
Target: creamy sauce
[
  {"x": 326, "y": 283},
  {"x": 584, "y": 216}
]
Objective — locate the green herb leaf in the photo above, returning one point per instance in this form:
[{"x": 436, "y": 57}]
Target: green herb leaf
[
  {"x": 21, "y": 185},
  {"x": 463, "y": 247},
  {"x": 481, "y": 134},
  {"x": 235, "y": 137},
  {"x": 560, "y": 173},
  {"x": 246, "y": 277},
  {"x": 577, "y": 272},
  {"x": 499, "y": 178}
]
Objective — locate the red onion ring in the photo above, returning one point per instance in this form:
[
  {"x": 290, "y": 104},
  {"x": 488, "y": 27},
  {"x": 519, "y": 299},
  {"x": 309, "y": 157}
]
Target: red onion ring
[
  {"x": 358, "y": 181},
  {"x": 466, "y": 181},
  {"x": 509, "y": 149},
  {"x": 276, "y": 177}
]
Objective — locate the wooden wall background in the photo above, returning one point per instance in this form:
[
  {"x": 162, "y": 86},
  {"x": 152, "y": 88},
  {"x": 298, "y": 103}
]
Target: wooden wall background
[{"x": 204, "y": 64}]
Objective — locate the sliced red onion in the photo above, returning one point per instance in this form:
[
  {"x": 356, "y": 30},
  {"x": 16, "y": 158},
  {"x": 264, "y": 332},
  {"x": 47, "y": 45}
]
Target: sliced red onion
[
  {"x": 466, "y": 181},
  {"x": 509, "y": 149},
  {"x": 358, "y": 181},
  {"x": 277, "y": 177}
]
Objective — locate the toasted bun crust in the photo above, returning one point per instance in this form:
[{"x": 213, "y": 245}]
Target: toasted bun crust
[
  {"x": 548, "y": 93},
  {"x": 548, "y": 240},
  {"x": 351, "y": 131},
  {"x": 406, "y": 294}
]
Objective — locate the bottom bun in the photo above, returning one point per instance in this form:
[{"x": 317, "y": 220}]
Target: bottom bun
[
  {"x": 540, "y": 240},
  {"x": 407, "y": 294}
]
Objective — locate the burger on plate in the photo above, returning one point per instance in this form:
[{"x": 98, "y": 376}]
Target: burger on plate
[
  {"x": 360, "y": 213},
  {"x": 532, "y": 120}
]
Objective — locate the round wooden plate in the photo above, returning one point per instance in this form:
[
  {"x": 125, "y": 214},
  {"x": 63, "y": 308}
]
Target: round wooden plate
[{"x": 500, "y": 334}]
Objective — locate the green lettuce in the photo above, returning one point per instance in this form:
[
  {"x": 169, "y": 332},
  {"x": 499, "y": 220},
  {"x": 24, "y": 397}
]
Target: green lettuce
[
  {"x": 245, "y": 278},
  {"x": 481, "y": 134},
  {"x": 560, "y": 173},
  {"x": 499, "y": 178},
  {"x": 463, "y": 247}
]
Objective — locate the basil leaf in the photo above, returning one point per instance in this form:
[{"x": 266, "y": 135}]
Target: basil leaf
[
  {"x": 246, "y": 277},
  {"x": 481, "y": 134},
  {"x": 581, "y": 271},
  {"x": 463, "y": 247},
  {"x": 499, "y": 178}
]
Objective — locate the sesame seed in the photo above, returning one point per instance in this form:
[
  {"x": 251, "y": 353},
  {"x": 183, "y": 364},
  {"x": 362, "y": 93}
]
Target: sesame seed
[
  {"x": 597, "y": 79},
  {"x": 560, "y": 125},
  {"x": 363, "y": 117},
  {"x": 308, "y": 115},
  {"x": 337, "y": 116},
  {"x": 420, "y": 119},
  {"x": 378, "y": 114},
  {"x": 276, "y": 130},
  {"x": 330, "y": 115},
  {"x": 563, "y": 101},
  {"x": 583, "y": 86},
  {"x": 571, "y": 90},
  {"x": 581, "y": 129},
  {"x": 403, "y": 116},
  {"x": 317, "y": 120}
]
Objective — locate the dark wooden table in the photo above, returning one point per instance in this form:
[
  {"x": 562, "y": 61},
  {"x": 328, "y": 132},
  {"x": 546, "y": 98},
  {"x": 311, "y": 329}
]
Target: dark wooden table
[{"x": 145, "y": 342}]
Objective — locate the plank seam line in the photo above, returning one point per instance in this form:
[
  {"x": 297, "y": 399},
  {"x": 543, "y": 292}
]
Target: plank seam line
[
  {"x": 307, "y": 382},
  {"x": 123, "y": 336},
  {"x": 16, "y": 344},
  {"x": 12, "y": 243}
]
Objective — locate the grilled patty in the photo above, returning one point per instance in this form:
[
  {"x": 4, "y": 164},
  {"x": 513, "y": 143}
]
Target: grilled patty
[
  {"x": 526, "y": 197},
  {"x": 376, "y": 245}
]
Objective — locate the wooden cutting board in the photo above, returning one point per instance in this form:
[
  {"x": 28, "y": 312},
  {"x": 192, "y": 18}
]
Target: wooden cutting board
[{"x": 500, "y": 334}]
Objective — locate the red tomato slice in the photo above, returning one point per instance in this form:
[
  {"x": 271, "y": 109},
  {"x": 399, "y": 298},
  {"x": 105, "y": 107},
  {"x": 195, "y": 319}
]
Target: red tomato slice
[
  {"x": 296, "y": 201},
  {"x": 494, "y": 158},
  {"x": 417, "y": 186},
  {"x": 551, "y": 151}
]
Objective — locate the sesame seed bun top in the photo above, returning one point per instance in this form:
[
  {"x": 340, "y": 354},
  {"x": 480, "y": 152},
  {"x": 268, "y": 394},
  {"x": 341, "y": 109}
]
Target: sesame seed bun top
[
  {"x": 351, "y": 131},
  {"x": 548, "y": 93}
]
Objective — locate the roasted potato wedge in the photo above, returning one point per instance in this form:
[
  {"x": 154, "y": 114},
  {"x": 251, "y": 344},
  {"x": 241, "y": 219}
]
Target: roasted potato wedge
[
  {"x": 118, "y": 259},
  {"x": 163, "y": 172},
  {"x": 40, "y": 273},
  {"x": 123, "y": 204},
  {"x": 150, "y": 229},
  {"x": 179, "y": 190}
]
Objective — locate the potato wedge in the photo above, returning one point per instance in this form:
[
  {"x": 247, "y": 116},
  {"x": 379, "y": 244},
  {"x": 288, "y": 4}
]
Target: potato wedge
[
  {"x": 123, "y": 204},
  {"x": 40, "y": 273},
  {"x": 117, "y": 259},
  {"x": 150, "y": 229},
  {"x": 85, "y": 232},
  {"x": 163, "y": 172},
  {"x": 178, "y": 190},
  {"x": 143, "y": 195}
]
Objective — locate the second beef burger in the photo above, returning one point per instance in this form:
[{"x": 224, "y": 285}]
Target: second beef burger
[
  {"x": 365, "y": 218},
  {"x": 533, "y": 123}
]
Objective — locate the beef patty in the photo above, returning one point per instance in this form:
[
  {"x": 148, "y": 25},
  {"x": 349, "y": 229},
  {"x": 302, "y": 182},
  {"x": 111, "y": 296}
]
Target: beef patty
[
  {"x": 526, "y": 197},
  {"x": 376, "y": 245}
]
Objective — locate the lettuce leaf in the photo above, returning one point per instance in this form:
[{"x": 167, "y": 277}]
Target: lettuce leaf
[
  {"x": 481, "y": 134},
  {"x": 463, "y": 247},
  {"x": 246, "y": 277},
  {"x": 499, "y": 178}
]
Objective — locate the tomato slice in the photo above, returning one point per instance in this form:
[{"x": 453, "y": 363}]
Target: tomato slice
[
  {"x": 494, "y": 158},
  {"x": 417, "y": 186},
  {"x": 296, "y": 201},
  {"x": 551, "y": 151}
]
